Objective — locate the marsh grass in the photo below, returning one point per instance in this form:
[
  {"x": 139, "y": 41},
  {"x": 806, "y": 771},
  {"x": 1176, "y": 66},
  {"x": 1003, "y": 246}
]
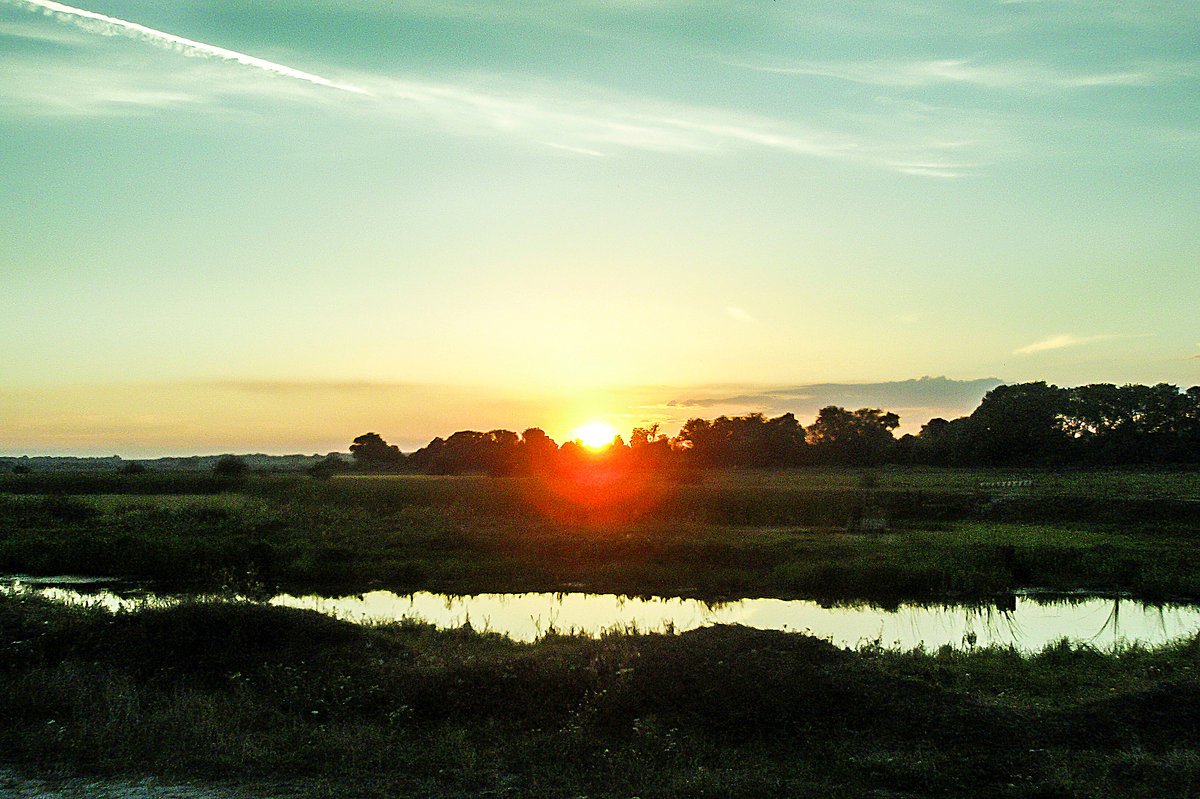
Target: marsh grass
[
  {"x": 726, "y": 535},
  {"x": 233, "y": 690}
]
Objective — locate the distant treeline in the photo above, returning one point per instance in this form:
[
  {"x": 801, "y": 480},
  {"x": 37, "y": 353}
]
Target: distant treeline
[
  {"x": 190, "y": 464},
  {"x": 1024, "y": 424}
]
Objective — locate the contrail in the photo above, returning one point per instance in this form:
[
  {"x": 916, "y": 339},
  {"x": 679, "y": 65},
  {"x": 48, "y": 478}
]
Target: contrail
[{"x": 112, "y": 25}]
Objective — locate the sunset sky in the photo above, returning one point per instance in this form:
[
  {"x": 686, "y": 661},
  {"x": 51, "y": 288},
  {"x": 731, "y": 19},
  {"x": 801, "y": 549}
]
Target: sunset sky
[{"x": 272, "y": 225}]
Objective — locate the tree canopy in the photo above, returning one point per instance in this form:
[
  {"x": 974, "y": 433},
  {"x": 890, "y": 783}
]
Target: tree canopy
[
  {"x": 371, "y": 452},
  {"x": 1021, "y": 424}
]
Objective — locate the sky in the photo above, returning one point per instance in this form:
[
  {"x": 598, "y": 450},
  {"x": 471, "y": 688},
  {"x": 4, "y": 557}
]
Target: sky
[{"x": 273, "y": 225}]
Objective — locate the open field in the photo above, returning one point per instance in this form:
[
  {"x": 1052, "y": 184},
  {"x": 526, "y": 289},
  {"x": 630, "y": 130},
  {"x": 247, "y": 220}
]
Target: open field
[
  {"x": 406, "y": 710},
  {"x": 945, "y": 534},
  {"x": 1119, "y": 483}
]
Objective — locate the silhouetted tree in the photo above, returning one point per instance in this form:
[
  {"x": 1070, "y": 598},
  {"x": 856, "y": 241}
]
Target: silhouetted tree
[
  {"x": 699, "y": 443},
  {"x": 503, "y": 454},
  {"x": 748, "y": 441},
  {"x": 649, "y": 449},
  {"x": 428, "y": 459},
  {"x": 329, "y": 466},
  {"x": 1020, "y": 423},
  {"x": 537, "y": 451},
  {"x": 494, "y": 452},
  {"x": 860, "y": 438},
  {"x": 940, "y": 443},
  {"x": 371, "y": 452},
  {"x": 230, "y": 470},
  {"x": 1025, "y": 424},
  {"x": 1132, "y": 423},
  {"x": 744, "y": 440},
  {"x": 1189, "y": 436},
  {"x": 786, "y": 441},
  {"x": 572, "y": 454}
]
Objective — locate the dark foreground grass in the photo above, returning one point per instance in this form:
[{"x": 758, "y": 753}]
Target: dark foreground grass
[
  {"x": 720, "y": 535},
  {"x": 247, "y": 692}
]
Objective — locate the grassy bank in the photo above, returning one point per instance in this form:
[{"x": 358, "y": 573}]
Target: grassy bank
[
  {"x": 405, "y": 710},
  {"x": 789, "y": 534}
]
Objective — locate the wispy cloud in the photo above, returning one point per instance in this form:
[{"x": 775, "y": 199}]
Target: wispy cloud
[
  {"x": 594, "y": 121},
  {"x": 574, "y": 149},
  {"x": 111, "y": 26},
  {"x": 930, "y": 72},
  {"x": 55, "y": 88},
  {"x": 1059, "y": 342},
  {"x": 584, "y": 119}
]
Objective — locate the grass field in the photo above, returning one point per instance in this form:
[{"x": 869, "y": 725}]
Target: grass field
[{"x": 946, "y": 534}]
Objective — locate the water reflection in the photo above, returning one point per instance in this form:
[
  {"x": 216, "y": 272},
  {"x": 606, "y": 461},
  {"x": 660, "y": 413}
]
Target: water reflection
[
  {"x": 1030, "y": 625},
  {"x": 1026, "y": 622}
]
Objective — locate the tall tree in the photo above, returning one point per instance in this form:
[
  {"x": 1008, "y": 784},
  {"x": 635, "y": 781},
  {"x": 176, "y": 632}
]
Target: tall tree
[
  {"x": 537, "y": 451},
  {"x": 371, "y": 452},
  {"x": 941, "y": 443},
  {"x": 861, "y": 438},
  {"x": 648, "y": 448},
  {"x": 1021, "y": 423}
]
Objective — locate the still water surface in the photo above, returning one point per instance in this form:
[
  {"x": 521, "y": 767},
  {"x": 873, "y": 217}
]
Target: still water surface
[
  {"x": 1033, "y": 623},
  {"x": 1103, "y": 623}
]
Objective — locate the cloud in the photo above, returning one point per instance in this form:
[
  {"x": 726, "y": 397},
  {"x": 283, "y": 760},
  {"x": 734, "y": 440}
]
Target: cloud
[
  {"x": 919, "y": 390},
  {"x": 932, "y": 72},
  {"x": 31, "y": 31},
  {"x": 111, "y": 26},
  {"x": 916, "y": 401},
  {"x": 568, "y": 116},
  {"x": 593, "y": 121},
  {"x": 1059, "y": 342},
  {"x": 574, "y": 149}
]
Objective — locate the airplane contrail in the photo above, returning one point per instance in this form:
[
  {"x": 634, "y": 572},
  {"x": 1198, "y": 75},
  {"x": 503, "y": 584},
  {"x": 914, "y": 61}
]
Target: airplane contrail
[{"x": 123, "y": 27}]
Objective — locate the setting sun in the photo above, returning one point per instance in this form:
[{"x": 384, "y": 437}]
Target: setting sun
[{"x": 595, "y": 434}]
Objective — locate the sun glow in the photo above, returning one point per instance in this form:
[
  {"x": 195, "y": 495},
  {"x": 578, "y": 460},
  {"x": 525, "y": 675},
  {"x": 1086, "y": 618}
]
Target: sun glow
[{"x": 595, "y": 434}]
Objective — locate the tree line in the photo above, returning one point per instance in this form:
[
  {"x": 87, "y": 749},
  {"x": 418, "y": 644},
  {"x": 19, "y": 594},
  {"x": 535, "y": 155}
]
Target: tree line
[{"x": 1022, "y": 424}]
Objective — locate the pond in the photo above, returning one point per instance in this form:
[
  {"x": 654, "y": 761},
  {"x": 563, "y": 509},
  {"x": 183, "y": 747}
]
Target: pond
[{"x": 1029, "y": 622}]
